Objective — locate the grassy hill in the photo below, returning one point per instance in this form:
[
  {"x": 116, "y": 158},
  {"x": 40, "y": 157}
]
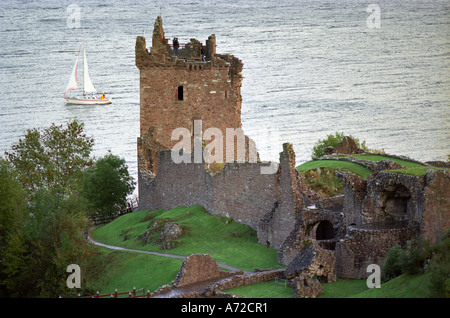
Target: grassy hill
[
  {"x": 336, "y": 165},
  {"x": 226, "y": 241}
]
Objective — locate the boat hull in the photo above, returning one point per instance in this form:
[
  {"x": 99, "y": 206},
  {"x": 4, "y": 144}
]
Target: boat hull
[{"x": 77, "y": 101}]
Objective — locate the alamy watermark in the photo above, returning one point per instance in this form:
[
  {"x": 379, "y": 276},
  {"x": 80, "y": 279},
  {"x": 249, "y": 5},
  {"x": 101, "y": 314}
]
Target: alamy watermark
[
  {"x": 74, "y": 279},
  {"x": 374, "y": 19},
  {"x": 74, "y": 19},
  {"x": 374, "y": 279},
  {"x": 213, "y": 151}
]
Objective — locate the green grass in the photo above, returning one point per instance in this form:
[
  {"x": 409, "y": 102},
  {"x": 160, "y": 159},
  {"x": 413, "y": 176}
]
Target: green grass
[
  {"x": 226, "y": 241},
  {"x": 343, "y": 288},
  {"x": 324, "y": 182},
  {"x": 263, "y": 290},
  {"x": 337, "y": 165},
  {"x": 123, "y": 271},
  {"x": 403, "y": 286}
]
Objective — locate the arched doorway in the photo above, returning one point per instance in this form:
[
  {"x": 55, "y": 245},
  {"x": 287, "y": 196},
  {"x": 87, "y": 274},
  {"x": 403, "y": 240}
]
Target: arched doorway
[{"x": 325, "y": 231}]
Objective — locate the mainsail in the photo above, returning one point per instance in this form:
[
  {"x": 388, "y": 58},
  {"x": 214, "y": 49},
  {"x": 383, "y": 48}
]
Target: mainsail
[
  {"x": 73, "y": 82},
  {"x": 88, "y": 87}
]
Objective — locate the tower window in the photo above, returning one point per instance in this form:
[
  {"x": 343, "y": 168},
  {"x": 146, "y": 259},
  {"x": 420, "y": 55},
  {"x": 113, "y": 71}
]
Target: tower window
[{"x": 180, "y": 93}]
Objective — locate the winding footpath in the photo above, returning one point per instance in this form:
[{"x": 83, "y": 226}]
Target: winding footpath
[{"x": 118, "y": 248}]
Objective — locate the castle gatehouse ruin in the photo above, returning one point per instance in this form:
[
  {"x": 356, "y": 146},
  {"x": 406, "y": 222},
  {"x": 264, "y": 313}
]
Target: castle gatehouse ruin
[{"x": 350, "y": 231}]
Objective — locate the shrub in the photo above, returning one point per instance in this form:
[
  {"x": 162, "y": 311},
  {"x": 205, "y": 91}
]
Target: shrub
[
  {"x": 107, "y": 184},
  {"x": 393, "y": 263},
  {"x": 439, "y": 268},
  {"x": 416, "y": 256},
  {"x": 410, "y": 260}
]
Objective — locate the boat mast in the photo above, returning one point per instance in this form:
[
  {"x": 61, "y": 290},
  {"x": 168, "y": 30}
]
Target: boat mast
[{"x": 88, "y": 87}]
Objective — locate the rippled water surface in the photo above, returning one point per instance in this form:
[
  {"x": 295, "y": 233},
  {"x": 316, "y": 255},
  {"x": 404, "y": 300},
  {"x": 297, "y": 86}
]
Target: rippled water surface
[{"x": 311, "y": 68}]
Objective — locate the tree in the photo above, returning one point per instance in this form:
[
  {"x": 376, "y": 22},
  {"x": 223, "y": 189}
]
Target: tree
[
  {"x": 50, "y": 165},
  {"x": 12, "y": 202},
  {"x": 12, "y": 215},
  {"x": 52, "y": 159},
  {"x": 333, "y": 141},
  {"x": 107, "y": 184}
]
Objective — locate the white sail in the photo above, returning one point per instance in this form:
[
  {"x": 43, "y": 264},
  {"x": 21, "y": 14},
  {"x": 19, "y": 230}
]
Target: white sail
[
  {"x": 88, "y": 87},
  {"x": 73, "y": 82}
]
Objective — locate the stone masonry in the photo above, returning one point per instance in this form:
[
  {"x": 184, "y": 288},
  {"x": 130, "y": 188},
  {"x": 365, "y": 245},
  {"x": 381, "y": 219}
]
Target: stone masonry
[
  {"x": 177, "y": 90},
  {"x": 349, "y": 231}
]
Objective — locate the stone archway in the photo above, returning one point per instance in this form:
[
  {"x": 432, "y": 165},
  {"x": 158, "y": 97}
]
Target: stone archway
[{"x": 324, "y": 231}]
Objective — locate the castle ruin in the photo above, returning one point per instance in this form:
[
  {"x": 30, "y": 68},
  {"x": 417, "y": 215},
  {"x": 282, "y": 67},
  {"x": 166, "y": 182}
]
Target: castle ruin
[{"x": 356, "y": 228}]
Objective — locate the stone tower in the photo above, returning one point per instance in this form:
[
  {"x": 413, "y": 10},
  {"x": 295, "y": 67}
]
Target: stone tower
[{"x": 177, "y": 90}]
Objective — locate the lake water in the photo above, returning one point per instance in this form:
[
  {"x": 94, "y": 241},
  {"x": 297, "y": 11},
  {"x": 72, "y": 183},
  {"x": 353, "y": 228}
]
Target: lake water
[{"x": 311, "y": 68}]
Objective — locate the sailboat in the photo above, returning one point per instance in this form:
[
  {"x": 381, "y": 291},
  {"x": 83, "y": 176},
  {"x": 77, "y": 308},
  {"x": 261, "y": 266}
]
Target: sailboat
[{"x": 90, "y": 96}]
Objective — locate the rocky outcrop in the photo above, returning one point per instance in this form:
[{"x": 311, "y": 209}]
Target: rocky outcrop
[{"x": 171, "y": 232}]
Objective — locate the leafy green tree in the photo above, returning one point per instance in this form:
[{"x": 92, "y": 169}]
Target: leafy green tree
[
  {"x": 439, "y": 268},
  {"x": 12, "y": 202},
  {"x": 107, "y": 184},
  {"x": 333, "y": 141},
  {"x": 52, "y": 159},
  {"x": 50, "y": 165}
]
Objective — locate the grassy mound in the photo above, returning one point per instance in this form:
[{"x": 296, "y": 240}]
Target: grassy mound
[
  {"x": 226, "y": 241},
  {"x": 320, "y": 176},
  {"x": 336, "y": 165}
]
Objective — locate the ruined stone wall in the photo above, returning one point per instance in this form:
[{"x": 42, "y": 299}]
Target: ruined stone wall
[
  {"x": 355, "y": 193},
  {"x": 393, "y": 197},
  {"x": 367, "y": 245},
  {"x": 198, "y": 268},
  {"x": 239, "y": 191},
  {"x": 279, "y": 221},
  {"x": 244, "y": 280},
  {"x": 305, "y": 230},
  {"x": 436, "y": 216}
]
